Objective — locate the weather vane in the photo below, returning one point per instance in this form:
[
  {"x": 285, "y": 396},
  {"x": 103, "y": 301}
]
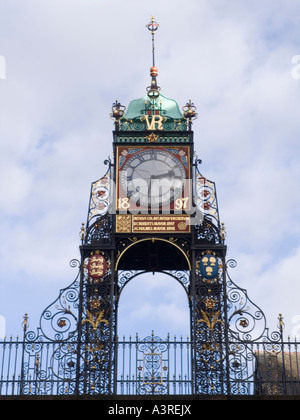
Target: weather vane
[
  {"x": 153, "y": 26},
  {"x": 153, "y": 90}
]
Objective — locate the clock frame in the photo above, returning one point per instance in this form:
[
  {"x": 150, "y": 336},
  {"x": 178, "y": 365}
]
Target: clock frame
[{"x": 164, "y": 173}]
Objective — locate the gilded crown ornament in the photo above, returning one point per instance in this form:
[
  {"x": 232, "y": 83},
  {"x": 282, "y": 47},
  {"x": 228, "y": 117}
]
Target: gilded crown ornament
[
  {"x": 117, "y": 112},
  {"x": 189, "y": 112}
]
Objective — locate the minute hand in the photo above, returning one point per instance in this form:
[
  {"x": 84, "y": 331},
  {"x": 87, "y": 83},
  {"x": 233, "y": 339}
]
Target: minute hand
[{"x": 169, "y": 174}]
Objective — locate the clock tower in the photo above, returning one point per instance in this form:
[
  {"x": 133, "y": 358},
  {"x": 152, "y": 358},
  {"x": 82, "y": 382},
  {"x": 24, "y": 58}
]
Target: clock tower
[{"x": 153, "y": 211}]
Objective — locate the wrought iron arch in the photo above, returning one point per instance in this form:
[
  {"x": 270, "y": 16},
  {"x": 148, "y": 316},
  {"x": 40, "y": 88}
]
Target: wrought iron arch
[{"x": 182, "y": 277}]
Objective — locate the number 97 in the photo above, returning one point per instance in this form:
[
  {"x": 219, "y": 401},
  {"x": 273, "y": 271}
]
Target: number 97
[{"x": 181, "y": 203}]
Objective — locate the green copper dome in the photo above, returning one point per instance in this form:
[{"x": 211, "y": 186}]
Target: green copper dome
[
  {"x": 168, "y": 107},
  {"x": 153, "y": 113}
]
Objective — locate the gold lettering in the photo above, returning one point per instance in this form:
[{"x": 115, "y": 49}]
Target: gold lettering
[{"x": 155, "y": 119}]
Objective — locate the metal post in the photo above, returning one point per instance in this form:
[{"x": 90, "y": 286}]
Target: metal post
[
  {"x": 25, "y": 325},
  {"x": 113, "y": 328},
  {"x": 283, "y": 373},
  {"x": 192, "y": 321},
  {"x": 226, "y": 326},
  {"x": 79, "y": 327}
]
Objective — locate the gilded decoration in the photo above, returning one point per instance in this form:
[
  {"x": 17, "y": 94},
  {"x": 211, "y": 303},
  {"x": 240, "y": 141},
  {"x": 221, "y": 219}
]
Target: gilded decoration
[
  {"x": 123, "y": 223},
  {"x": 95, "y": 319},
  {"x": 210, "y": 319},
  {"x": 152, "y": 138}
]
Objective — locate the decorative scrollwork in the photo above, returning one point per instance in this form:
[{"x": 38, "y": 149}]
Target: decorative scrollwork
[
  {"x": 59, "y": 320},
  {"x": 231, "y": 263},
  {"x": 100, "y": 231},
  {"x": 247, "y": 330},
  {"x": 152, "y": 366},
  {"x": 246, "y": 320},
  {"x": 153, "y": 344},
  {"x": 125, "y": 276},
  {"x": 209, "y": 324},
  {"x": 74, "y": 263},
  {"x": 207, "y": 232},
  {"x": 100, "y": 197},
  {"x": 206, "y": 196},
  {"x": 95, "y": 324},
  {"x": 183, "y": 277}
]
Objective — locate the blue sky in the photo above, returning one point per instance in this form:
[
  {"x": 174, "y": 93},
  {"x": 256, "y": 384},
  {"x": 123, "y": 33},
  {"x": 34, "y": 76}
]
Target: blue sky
[{"x": 67, "y": 61}]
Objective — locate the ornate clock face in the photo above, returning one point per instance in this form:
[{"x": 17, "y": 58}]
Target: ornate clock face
[{"x": 153, "y": 177}]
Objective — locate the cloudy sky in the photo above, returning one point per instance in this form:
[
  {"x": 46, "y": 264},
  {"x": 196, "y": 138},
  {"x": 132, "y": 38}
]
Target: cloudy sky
[{"x": 64, "y": 62}]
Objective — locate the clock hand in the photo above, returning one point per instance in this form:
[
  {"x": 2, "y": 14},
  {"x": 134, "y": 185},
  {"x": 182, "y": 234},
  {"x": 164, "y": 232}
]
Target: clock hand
[
  {"x": 169, "y": 174},
  {"x": 145, "y": 175}
]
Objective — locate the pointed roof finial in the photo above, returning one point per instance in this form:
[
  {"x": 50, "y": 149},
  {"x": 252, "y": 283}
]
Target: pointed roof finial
[
  {"x": 153, "y": 90},
  {"x": 153, "y": 26}
]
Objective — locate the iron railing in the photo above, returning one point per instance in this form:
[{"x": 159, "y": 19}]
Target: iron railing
[{"x": 151, "y": 366}]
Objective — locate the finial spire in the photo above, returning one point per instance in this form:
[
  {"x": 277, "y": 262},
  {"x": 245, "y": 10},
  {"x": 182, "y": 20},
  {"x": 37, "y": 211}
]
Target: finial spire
[
  {"x": 153, "y": 90},
  {"x": 153, "y": 26}
]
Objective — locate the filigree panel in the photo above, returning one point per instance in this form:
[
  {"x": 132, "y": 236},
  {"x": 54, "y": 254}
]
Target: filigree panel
[
  {"x": 206, "y": 198},
  {"x": 207, "y": 233},
  {"x": 247, "y": 322},
  {"x": 59, "y": 320},
  {"x": 96, "y": 325},
  {"x": 247, "y": 331},
  {"x": 76, "y": 331},
  {"x": 100, "y": 196},
  {"x": 100, "y": 231},
  {"x": 181, "y": 276},
  {"x": 152, "y": 366},
  {"x": 209, "y": 325}
]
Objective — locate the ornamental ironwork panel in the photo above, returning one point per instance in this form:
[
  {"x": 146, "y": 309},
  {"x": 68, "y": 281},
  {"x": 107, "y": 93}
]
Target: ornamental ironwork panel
[
  {"x": 154, "y": 366},
  {"x": 95, "y": 369},
  {"x": 100, "y": 198},
  {"x": 210, "y": 325}
]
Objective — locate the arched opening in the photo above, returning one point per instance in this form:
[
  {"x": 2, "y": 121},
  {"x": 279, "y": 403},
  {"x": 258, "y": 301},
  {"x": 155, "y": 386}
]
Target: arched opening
[
  {"x": 153, "y": 316},
  {"x": 154, "y": 351},
  {"x": 154, "y": 302}
]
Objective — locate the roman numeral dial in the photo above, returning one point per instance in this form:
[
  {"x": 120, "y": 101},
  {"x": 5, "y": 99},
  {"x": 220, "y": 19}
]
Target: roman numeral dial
[{"x": 152, "y": 177}]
